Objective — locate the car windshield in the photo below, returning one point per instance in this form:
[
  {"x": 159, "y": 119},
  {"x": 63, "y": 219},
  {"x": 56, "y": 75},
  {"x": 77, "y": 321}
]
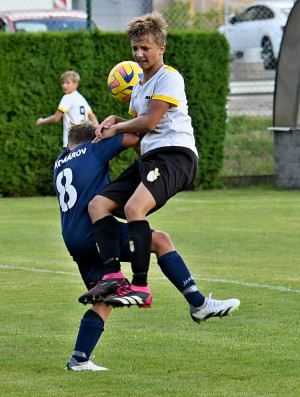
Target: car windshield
[{"x": 44, "y": 25}]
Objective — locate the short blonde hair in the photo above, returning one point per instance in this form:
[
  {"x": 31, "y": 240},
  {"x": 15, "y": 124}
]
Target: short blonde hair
[
  {"x": 148, "y": 24},
  {"x": 70, "y": 74}
]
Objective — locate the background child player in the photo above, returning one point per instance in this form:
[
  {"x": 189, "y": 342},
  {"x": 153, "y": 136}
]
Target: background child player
[
  {"x": 168, "y": 163},
  {"x": 73, "y": 107}
]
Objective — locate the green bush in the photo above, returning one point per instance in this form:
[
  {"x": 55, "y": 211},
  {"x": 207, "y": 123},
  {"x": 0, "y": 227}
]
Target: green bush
[{"x": 30, "y": 70}]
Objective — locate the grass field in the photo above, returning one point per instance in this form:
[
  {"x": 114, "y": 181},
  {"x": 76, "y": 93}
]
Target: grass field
[
  {"x": 238, "y": 243},
  {"x": 248, "y": 147}
]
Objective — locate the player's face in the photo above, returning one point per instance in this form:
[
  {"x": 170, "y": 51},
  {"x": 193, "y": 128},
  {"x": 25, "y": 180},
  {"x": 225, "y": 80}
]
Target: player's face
[
  {"x": 69, "y": 86},
  {"x": 147, "y": 53}
]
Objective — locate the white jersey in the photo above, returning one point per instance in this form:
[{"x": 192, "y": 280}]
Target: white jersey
[
  {"x": 175, "y": 127},
  {"x": 75, "y": 109}
]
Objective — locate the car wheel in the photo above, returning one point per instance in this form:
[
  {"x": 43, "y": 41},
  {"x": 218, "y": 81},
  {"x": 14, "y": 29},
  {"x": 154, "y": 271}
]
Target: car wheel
[{"x": 268, "y": 55}]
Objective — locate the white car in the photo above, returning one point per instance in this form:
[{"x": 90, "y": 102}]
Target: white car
[{"x": 258, "y": 31}]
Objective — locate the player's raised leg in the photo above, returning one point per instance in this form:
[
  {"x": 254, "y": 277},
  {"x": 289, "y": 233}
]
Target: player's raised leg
[{"x": 175, "y": 269}]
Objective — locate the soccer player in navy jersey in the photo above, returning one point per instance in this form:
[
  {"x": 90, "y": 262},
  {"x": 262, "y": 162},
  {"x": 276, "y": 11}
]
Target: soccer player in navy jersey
[{"x": 80, "y": 171}]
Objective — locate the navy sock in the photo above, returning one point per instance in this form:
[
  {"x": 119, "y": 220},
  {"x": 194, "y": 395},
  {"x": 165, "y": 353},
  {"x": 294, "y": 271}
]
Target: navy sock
[
  {"x": 90, "y": 330},
  {"x": 174, "y": 268}
]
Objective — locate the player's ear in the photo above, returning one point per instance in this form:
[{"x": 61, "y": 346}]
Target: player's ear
[{"x": 163, "y": 48}]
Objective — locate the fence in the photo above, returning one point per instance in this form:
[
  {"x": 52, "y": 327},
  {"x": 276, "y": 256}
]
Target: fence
[{"x": 254, "y": 34}]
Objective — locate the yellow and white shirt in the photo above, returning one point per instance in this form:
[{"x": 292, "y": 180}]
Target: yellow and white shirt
[
  {"x": 175, "y": 127},
  {"x": 75, "y": 109}
]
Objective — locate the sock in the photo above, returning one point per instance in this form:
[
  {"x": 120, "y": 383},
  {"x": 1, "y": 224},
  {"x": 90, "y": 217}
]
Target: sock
[
  {"x": 114, "y": 275},
  {"x": 174, "y": 268},
  {"x": 106, "y": 233},
  {"x": 90, "y": 330},
  {"x": 140, "y": 239}
]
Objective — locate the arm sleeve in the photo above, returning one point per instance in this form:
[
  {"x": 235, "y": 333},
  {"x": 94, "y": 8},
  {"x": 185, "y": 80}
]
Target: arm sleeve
[
  {"x": 169, "y": 88},
  {"x": 107, "y": 149},
  {"x": 132, "y": 111},
  {"x": 64, "y": 104}
]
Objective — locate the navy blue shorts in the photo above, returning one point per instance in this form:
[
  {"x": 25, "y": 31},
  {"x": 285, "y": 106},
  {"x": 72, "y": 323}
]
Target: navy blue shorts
[{"x": 90, "y": 264}]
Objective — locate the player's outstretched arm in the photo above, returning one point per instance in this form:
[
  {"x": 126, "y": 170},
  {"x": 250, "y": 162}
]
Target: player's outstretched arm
[
  {"x": 109, "y": 122},
  {"x": 93, "y": 117},
  {"x": 51, "y": 119},
  {"x": 145, "y": 122},
  {"x": 140, "y": 124}
]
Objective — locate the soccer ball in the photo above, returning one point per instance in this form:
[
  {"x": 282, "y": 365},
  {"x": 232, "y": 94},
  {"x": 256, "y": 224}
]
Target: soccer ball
[{"x": 122, "y": 78}]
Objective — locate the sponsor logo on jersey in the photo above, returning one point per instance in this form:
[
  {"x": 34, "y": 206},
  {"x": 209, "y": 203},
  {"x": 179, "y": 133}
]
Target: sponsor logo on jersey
[
  {"x": 69, "y": 157},
  {"x": 150, "y": 93}
]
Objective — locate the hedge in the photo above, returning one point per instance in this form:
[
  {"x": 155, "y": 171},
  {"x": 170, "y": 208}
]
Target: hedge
[{"x": 30, "y": 68}]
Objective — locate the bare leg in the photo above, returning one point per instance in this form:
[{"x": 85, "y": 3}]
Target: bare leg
[
  {"x": 102, "y": 310},
  {"x": 139, "y": 204},
  {"x": 100, "y": 206}
]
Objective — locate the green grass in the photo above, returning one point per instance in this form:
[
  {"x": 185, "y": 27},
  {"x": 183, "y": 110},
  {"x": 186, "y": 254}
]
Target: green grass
[
  {"x": 238, "y": 243},
  {"x": 249, "y": 147}
]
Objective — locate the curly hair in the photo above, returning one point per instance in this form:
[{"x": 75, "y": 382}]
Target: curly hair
[{"x": 148, "y": 24}]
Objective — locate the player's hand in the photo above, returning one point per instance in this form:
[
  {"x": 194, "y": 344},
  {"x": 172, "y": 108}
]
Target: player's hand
[
  {"x": 105, "y": 133},
  {"x": 39, "y": 122},
  {"x": 107, "y": 123},
  {"x": 100, "y": 132}
]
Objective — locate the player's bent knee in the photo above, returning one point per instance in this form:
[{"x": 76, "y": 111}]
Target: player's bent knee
[
  {"x": 94, "y": 206},
  {"x": 98, "y": 207},
  {"x": 133, "y": 212},
  {"x": 139, "y": 204},
  {"x": 161, "y": 243}
]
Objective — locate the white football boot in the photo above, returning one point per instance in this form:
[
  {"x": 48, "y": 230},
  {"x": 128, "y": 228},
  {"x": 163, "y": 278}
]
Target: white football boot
[
  {"x": 74, "y": 365},
  {"x": 213, "y": 308}
]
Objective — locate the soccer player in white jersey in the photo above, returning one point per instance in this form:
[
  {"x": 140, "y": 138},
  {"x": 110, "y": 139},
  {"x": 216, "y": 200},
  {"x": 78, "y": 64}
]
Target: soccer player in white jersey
[
  {"x": 167, "y": 165},
  {"x": 73, "y": 107}
]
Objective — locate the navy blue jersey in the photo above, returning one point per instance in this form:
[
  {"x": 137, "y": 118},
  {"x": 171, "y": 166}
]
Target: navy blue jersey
[{"x": 78, "y": 176}]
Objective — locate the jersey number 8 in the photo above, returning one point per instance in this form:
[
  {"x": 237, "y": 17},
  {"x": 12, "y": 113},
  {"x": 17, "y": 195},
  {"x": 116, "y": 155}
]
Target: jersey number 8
[{"x": 67, "y": 192}]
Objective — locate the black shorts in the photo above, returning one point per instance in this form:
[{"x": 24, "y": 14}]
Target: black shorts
[{"x": 164, "y": 171}]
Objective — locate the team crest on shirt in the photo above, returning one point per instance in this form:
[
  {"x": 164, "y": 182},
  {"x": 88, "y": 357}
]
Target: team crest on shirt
[{"x": 152, "y": 175}]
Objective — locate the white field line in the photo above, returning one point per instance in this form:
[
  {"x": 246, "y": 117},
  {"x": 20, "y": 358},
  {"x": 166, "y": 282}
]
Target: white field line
[
  {"x": 211, "y": 280},
  {"x": 229, "y": 201}
]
